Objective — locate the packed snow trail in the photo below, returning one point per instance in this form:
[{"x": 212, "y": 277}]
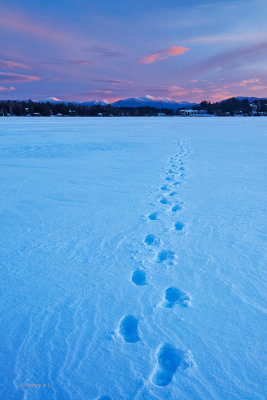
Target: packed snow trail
[{"x": 132, "y": 258}]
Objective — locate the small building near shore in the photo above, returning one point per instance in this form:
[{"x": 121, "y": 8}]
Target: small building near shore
[{"x": 188, "y": 112}]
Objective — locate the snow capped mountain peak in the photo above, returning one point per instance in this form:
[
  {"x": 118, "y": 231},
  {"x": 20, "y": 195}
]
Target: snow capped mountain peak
[
  {"x": 148, "y": 97},
  {"x": 151, "y": 101},
  {"x": 101, "y": 102},
  {"x": 144, "y": 101},
  {"x": 51, "y": 100},
  {"x": 166, "y": 99}
]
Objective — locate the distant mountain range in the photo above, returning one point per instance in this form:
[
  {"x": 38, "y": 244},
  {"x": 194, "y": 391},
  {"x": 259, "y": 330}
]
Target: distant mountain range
[
  {"x": 150, "y": 101},
  {"x": 144, "y": 101}
]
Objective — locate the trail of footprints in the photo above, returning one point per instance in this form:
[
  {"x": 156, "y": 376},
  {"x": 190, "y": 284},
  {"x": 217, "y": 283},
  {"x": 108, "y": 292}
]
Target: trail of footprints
[{"x": 168, "y": 357}]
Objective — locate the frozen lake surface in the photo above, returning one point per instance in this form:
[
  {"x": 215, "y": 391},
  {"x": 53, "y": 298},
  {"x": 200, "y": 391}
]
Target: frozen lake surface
[{"x": 132, "y": 258}]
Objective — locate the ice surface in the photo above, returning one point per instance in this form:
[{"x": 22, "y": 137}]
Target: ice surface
[{"x": 95, "y": 275}]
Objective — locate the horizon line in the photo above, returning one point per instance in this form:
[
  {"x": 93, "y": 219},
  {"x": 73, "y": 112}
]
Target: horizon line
[{"x": 163, "y": 99}]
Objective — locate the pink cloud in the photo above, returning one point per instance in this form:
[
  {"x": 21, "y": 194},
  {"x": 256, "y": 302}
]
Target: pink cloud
[
  {"x": 68, "y": 62},
  {"x": 114, "y": 81},
  {"x": 174, "y": 87},
  {"x": 6, "y": 89},
  {"x": 96, "y": 92},
  {"x": 166, "y": 91},
  {"x": 258, "y": 87},
  {"x": 196, "y": 90},
  {"x": 11, "y": 20},
  {"x": 246, "y": 82},
  {"x": 104, "y": 51},
  {"x": 176, "y": 91},
  {"x": 10, "y": 77},
  {"x": 7, "y": 65},
  {"x": 15, "y": 21},
  {"x": 229, "y": 59},
  {"x": 242, "y": 36},
  {"x": 162, "y": 54},
  {"x": 80, "y": 62},
  {"x": 220, "y": 96}
]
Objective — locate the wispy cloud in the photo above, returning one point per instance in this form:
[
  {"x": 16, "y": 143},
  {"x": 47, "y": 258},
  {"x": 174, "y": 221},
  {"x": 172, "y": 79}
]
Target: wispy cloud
[
  {"x": 245, "y": 83},
  {"x": 9, "y": 65},
  {"x": 169, "y": 91},
  {"x": 162, "y": 54},
  {"x": 6, "y": 89},
  {"x": 176, "y": 90},
  {"x": 69, "y": 62},
  {"x": 104, "y": 51},
  {"x": 114, "y": 81},
  {"x": 14, "y": 21},
  {"x": 220, "y": 96},
  {"x": 229, "y": 58},
  {"x": 243, "y": 36},
  {"x": 258, "y": 87},
  {"x": 197, "y": 90},
  {"x": 80, "y": 62},
  {"x": 95, "y": 92},
  {"x": 10, "y": 77}
]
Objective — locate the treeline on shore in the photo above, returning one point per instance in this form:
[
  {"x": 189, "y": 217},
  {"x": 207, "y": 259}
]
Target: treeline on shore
[{"x": 231, "y": 106}]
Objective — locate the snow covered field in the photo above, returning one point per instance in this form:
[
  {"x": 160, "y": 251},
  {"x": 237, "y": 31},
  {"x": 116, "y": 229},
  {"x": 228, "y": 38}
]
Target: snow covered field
[{"x": 132, "y": 258}]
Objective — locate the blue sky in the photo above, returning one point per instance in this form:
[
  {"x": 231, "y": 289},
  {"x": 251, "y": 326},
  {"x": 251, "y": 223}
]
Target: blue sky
[{"x": 181, "y": 49}]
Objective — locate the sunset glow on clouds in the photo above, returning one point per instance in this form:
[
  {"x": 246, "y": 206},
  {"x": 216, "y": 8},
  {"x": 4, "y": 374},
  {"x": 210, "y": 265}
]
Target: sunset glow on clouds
[
  {"x": 6, "y": 89},
  {"x": 245, "y": 83},
  {"x": 110, "y": 50},
  {"x": 10, "y": 77},
  {"x": 162, "y": 54},
  {"x": 9, "y": 65}
]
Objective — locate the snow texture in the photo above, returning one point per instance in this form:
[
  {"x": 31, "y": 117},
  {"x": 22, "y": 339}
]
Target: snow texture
[{"x": 132, "y": 258}]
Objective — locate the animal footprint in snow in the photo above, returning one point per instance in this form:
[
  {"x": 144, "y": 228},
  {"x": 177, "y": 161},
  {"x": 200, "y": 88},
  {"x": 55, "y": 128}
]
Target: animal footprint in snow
[
  {"x": 163, "y": 200},
  {"x": 128, "y": 329},
  {"x": 174, "y": 296},
  {"x": 139, "y": 277},
  {"x": 151, "y": 239},
  {"x": 165, "y": 187},
  {"x": 169, "y": 178},
  {"x": 103, "y": 398},
  {"x": 153, "y": 216},
  {"x": 169, "y": 358},
  {"x": 166, "y": 255},
  {"x": 179, "y": 226},
  {"x": 176, "y": 208}
]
